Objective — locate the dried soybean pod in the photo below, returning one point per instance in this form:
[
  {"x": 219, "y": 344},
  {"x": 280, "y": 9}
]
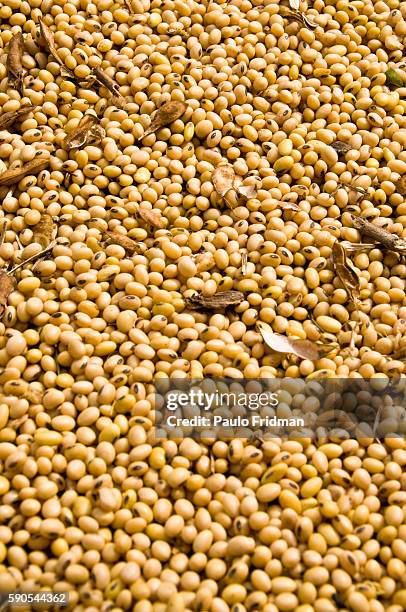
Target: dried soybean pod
[
  {"x": 152, "y": 217},
  {"x": 8, "y": 119},
  {"x": 219, "y": 300},
  {"x": 106, "y": 81},
  {"x": 14, "y": 62},
  {"x": 43, "y": 231},
  {"x": 284, "y": 344},
  {"x": 10, "y": 177},
  {"x": 341, "y": 147},
  {"x": 247, "y": 191},
  {"x": 48, "y": 37},
  {"x": 131, "y": 246},
  {"x": 345, "y": 273},
  {"x": 7, "y": 285},
  {"x": 165, "y": 115},
  {"x": 401, "y": 185},
  {"x": 83, "y": 133},
  {"x": 223, "y": 179}
]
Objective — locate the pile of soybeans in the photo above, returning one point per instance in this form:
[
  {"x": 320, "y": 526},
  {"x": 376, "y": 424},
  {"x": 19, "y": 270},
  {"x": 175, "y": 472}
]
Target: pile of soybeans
[{"x": 155, "y": 154}]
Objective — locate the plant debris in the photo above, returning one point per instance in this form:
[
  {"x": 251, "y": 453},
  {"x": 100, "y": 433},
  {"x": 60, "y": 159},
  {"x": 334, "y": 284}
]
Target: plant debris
[
  {"x": 361, "y": 247},
  {"x": 48, "y": 37},
  {"x": 392, "y": 242},
  {"x": 44, "y": 231},
  {"x": 223, "y": 179},
  {"x": 103, "y": 79},
  {"x": 294, "y": 5},
  {"x": 346, "y": 274},
  {"x": 8, "y": 119},
  {"x": 394, "y": 78},
  {"x": 152, "y": 217},
  {"x": 341, "y": 147},
  {"x": 131, "y": 246},
  {"x": 218, "y": 301},
  {"x": 166, "y": 114},
  {"x": 244, "y": 263},
  {"x": 7, "y": 285},
  {"x": 301, "y": 17},
  {"x": 247, "y": 191},
  {"x": 229, "y": 186},
  {"x": 15, "y": 62},
  {"x": 87, "y": 132},
  {"x": 305, "y": 349},
  {"x": 7, "y": 281},
  {"x": 401, "y": 185},
  {"x": 289, "y": 206},
  {"x": 10, "y": 177}
]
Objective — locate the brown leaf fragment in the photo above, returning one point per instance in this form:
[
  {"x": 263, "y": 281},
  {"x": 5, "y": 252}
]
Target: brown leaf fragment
[
  {"x": 305, "y": 349},
  {"x": 401, "y": 185},
  {"x": 44, "y": 230},
  {"x": 218, "y": 301},
  {"x": 341, "y": 147},
  {"x": 83, "y": 133},
  {"x": 7, "y": 285},
  {"x": 8, "y": 119},
  {"x": 152, "y": 217},
  {"x": 10, "y": 177},
  {"x": 166, "y": 114},
  {"x": 392, "y": 242},
  {"x": 131, "y": 246},
  {"x": 223, "y": 179},
  {"x": 48, "y": 37},
  {"x": 15, "y": 68},
  {"x": 346, "y": 274}
]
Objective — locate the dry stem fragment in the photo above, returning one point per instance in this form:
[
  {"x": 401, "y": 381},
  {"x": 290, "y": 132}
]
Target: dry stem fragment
[
  {"x": 389, "y": 241},
  {"x": 165, "y": 115}
]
